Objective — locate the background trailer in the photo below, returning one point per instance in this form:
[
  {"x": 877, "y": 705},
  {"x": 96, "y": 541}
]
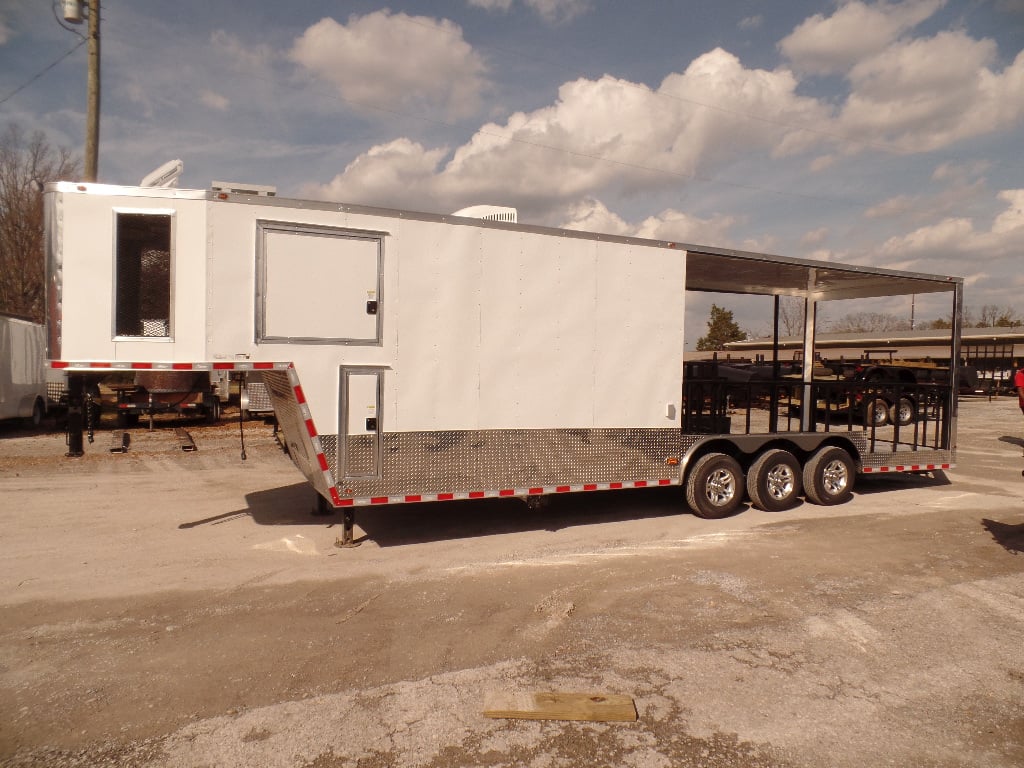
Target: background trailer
[
  {"x": 22, "y": 369},
  {"x": 414, "y": 357}
]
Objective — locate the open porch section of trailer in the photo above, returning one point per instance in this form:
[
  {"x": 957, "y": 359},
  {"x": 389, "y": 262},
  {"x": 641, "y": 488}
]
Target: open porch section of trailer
[{"x": 888, "y": 418}]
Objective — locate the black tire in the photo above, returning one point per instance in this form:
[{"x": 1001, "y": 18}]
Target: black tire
[
  {"x": 212, "y": 407},
  {"x": 774, "y": 480},
  {"x": 714, "y": 487},
  {"x": 35, "y": 421},
  {"x": 876, "y": 412},
  {"x": 903, "y": 412},
  {"x": 829, "y": 476}
]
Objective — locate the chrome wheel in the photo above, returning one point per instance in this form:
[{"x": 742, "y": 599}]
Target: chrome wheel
[
  {"x": 774, "y": 480},
  {"x": 714, "y": 486},
  {"x": 720, "y": 487},
  {"x": 780, "y": 482},
  {"x": 834, "y": 477},
  {"x": 829, "y": 476}
]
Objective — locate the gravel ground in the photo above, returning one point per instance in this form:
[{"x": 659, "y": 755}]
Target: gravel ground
[{"x": 169, "y": 608}]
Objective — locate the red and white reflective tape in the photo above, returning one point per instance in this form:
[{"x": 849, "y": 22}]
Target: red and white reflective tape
[
  {"x": 907, "y": 468},
  {"x": 318, "y": 449},
  {"x": 545, "y": 490},
  {"x": 119, "y": 365}
]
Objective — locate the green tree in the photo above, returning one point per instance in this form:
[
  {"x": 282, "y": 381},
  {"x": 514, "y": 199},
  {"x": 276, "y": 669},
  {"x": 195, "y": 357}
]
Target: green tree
[
  {"x": 721, "y": 330},
  {"x": 26, "y": 164}
]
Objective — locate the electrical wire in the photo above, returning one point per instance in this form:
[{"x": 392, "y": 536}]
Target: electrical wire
[{"x": 35, "y": 77}]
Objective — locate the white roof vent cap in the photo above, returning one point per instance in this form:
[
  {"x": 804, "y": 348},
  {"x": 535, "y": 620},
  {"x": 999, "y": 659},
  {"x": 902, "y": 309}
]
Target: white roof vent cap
[{"x": 490, "y": 212}]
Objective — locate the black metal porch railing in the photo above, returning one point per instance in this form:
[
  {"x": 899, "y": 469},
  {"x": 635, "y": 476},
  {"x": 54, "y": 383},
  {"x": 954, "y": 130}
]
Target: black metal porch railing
[{"x": 895, "y": 416}]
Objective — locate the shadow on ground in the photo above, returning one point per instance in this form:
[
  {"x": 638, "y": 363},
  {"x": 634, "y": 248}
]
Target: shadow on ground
[
  {"x": 1009, "y": 537},
  {"x": 400, "y": 524},
  {"x": 867, "y": 485}
]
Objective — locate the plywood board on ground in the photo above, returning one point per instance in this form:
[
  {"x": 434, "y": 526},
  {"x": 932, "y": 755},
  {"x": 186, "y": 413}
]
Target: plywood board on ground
[{"x": 543, "y": 705}]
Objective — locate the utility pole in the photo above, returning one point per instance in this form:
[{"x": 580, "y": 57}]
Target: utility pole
[
  {"x": 72, "y": 14},
  {"x": 92, "y": 124}
]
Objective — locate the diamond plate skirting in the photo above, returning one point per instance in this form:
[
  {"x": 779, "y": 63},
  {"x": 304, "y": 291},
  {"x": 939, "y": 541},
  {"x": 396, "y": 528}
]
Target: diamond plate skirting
[
  {"x": 465, "y": 461},
  {"x": 521, "y": 461}
]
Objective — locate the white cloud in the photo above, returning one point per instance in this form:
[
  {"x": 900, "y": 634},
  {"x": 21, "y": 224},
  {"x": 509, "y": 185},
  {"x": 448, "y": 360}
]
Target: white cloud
[
  {"x": 557, "y": 11},
  {"x": 682, "y": 227},
  {"x": 552, "y": 11},
  {"x": 961, "y": 189},
  {"x": 854, "y": 32},
  {"x": 751, "y": 22},
  {"x": 491, "y": 5},
  {"x": 5, "y": 33},
  {"x": 395, "y": 61},
  {"x": 955, "y": 238},
  {"x": 894, "y": 206},
  {"x": 400, "y": 173},
  {"x": 909, "y": 95},
  {"x": 240, "y": 55},
  {"x": 591, "y": 215},
  {"x": 214, "y": 100},
  {"x": 1011, "y": 221},
  {"x": 815, "y": 236},
  {"x": 961, "y": 171},
  {"x": 611, "y": 134},
  {"x": 822, "y": 163},
  {"x": 925, "y": 94}
]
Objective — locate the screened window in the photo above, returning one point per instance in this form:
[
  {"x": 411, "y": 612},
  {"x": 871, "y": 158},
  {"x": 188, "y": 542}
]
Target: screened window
[{"x": 143, "y": 278}]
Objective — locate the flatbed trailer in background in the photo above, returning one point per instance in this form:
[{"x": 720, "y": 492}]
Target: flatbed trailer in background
[{"x": 414, "y": 357}]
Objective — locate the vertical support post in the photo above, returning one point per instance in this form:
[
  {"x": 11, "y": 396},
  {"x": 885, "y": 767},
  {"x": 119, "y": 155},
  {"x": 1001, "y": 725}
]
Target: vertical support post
[
  {"x": 949, "y": 427},
  {"x": 76, "y": 402},
  {"x": 92, "y": 128},
  {"x": 773, "y": 398},
  {"x": 810, "y": 316}
]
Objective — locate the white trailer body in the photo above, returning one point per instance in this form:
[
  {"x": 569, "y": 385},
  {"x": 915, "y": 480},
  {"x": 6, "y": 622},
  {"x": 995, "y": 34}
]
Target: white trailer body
[
  {"x": 22, "y": 369},
  {"x": 415, "y": 357}
]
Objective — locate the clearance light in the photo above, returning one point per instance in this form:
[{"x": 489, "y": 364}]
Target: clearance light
[{"x": 672, "y": 461}]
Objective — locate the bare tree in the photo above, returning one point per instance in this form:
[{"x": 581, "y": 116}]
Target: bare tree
[
  {"x": 992, "y": 316},
  {"x": 26, "y": 164},
  {"x": 869, "y": 322},
  {"x": 791, "y": 315}
]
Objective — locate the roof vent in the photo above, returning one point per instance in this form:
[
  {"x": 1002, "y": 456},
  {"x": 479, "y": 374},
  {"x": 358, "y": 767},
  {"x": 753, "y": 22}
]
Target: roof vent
[
  {"x": 490, "y": 212},
  {"x": 235, "y": 188}
]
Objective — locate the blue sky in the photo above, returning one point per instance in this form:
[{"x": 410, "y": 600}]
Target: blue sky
[{"x": 878, "y": 133}]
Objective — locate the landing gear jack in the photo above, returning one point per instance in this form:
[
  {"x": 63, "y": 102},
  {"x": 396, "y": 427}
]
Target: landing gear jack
[{"x": 348, "y": 522}]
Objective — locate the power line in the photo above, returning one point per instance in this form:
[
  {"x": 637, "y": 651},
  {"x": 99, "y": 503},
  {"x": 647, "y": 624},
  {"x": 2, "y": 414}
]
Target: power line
[{"x": 35, "y": 77}]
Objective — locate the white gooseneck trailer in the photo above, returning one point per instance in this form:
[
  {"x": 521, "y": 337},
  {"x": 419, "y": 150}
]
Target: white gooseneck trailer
[{"x": 413, "y": 357}]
